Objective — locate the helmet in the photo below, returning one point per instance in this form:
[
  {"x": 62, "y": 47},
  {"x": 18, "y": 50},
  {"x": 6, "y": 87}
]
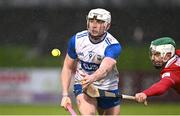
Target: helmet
[
  {"x": 100, "y": 14},
  {"x": 163, "y": 45}
]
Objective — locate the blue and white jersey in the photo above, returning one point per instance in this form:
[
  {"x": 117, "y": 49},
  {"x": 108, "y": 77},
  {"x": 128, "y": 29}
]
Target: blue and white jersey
[{"x": 89, "y": 56}]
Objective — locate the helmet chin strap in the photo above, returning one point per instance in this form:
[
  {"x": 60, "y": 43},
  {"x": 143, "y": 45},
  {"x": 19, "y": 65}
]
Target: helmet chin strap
[
  {"x": 167, "y": 56},
  {"x": 106, "y": 25}
]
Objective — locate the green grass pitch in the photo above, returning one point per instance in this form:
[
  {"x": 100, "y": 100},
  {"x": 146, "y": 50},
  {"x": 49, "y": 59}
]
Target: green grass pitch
[{"x": 126, "y": 109}]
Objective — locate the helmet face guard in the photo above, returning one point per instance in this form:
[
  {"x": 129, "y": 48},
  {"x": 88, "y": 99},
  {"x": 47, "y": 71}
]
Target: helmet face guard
[
  {"x": 154, "y": 55},
  {"x": 162, "y": 48},
  {"x": 99, "y": 14}
]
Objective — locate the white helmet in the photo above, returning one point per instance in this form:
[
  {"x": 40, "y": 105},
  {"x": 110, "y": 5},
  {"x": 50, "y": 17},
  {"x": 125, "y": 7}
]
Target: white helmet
[
  {"x": 163, "y": 45},
  {"x": 100, "y": 14}
]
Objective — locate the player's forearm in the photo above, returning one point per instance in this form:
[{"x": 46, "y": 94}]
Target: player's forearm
[
  {"x": 66, "y": 74},
  {"x": 65, "y": 80},
  {"x": 105, "y": 67},
  {"x": 158, "y": 88},
  {"x": 100, "y": 73}
]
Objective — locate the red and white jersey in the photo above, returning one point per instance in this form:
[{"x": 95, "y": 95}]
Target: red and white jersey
[
  {"x": 172, "y": 71},
  {"x": 170, "y": 77}
]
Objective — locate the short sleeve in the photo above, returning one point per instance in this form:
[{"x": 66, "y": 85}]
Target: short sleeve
[
  {"x": 113, "y": 51},
  {"x": 71, "y": 48}
]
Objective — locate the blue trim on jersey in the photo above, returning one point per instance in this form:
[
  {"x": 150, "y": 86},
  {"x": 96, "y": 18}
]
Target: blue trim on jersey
[
  {"x": 71, "y": 47},
  {"x": 82, "y": 35},
  {"x": 88, "y": 66},
  {"x": 113, "y": 51},
  {"x": 107, "y": 41}
]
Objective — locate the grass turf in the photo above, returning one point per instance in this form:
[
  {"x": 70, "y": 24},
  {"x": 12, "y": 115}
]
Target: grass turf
[{"x": 126, "y": 109}]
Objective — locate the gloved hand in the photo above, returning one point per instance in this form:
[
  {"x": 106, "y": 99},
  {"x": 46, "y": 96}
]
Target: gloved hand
[{"x": 65, "y": 102}]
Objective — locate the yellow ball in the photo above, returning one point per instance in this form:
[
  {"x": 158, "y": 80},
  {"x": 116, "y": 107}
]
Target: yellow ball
[{"x": 56, "y": 52}]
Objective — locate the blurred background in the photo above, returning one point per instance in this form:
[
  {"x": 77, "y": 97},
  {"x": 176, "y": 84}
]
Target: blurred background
[{"x": 30, "y": 29}]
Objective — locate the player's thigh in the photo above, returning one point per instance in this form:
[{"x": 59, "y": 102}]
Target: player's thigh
[
  {"x": 86, "y": 104},
  {"x": 101, "y": 111},
  {"x": 112, "y": 111},
  {"x": 108, "y": 105}
]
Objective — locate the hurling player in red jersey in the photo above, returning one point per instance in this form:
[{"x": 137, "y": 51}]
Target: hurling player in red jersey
[{"x": 163, "y": 56}]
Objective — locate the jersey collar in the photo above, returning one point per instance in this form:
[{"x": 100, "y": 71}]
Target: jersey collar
[
  {"x": 97, "y": 41},
  {"x": 171, "y": 61}
]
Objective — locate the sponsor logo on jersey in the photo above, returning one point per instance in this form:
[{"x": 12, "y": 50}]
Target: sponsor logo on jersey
[
  {"x": 87, "y": 66},
  {"x": 167, "y": 74}
]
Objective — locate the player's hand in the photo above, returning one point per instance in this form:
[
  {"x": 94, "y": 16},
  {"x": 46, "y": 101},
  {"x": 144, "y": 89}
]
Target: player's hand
[
  {"x": 65, "y": 102},
  {"x": 141, "y": 97},
  {"x": 87, "y": 80}
]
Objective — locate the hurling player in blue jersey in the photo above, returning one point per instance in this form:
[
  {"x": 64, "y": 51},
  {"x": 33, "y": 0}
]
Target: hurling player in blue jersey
[{"x": 91, "y": 59}]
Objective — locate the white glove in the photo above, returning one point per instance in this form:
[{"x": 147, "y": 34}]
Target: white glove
[{"x": 66, "y": 101}]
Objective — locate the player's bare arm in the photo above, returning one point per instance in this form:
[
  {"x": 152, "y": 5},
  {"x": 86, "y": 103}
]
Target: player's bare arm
[
  {"x": 106, "y": 65},
  {"x": 66, "y": 75}
]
